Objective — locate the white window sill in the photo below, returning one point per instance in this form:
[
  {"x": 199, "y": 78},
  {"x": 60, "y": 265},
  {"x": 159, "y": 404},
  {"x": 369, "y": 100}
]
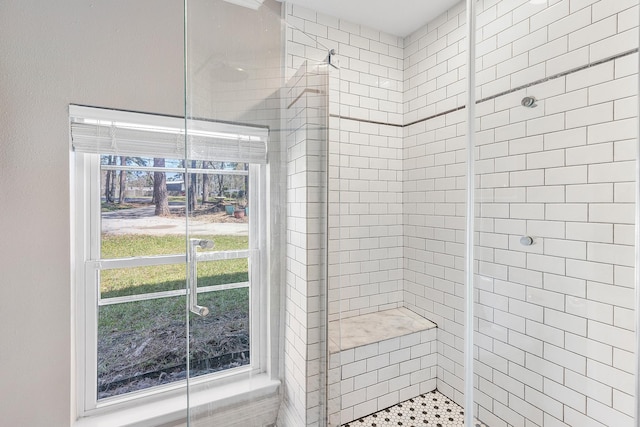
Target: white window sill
[{"x": 174, "y": 409}]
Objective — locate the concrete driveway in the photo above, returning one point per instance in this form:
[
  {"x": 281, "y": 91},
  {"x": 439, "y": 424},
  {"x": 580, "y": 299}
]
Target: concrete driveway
[{"x": 143, "y": 221}]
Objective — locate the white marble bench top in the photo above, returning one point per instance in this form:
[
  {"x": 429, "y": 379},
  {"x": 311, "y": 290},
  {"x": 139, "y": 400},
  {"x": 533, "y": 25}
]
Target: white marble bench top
[{"x": 374, "y": 327}]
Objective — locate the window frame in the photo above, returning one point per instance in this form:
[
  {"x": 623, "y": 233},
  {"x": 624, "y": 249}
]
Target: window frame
[{"x": 86, "y": 235}]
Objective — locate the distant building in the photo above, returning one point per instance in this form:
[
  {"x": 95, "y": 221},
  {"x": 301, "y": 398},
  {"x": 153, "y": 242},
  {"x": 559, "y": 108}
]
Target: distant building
[{"x": 175, "y": 187}]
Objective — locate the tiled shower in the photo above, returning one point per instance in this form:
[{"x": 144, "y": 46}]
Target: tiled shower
[
  {"x": 554, "y": 284},
  {"x": 383, "y": 289}
]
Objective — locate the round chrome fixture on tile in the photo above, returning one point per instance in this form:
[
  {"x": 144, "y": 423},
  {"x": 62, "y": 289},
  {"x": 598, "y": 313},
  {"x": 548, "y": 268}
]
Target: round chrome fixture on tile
[
  {"x": 529, "y": 102},
  {"x": 526, "y": 240}
]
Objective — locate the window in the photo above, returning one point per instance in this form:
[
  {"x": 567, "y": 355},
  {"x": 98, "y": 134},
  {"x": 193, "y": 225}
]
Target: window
[{"x": 168, "y": 253}]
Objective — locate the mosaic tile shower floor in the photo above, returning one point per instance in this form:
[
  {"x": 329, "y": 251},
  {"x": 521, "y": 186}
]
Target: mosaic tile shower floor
[{"x": 429, "y": 409}]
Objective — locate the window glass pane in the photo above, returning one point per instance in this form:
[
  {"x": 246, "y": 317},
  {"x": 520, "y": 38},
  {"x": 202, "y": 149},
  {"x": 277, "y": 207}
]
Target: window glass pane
[
  {"x": 227, "y": 242},
  {"x": 220, "y": 340},
  {"x": 142, "y": 210},
  {"x": 140, "y": 345},
  {"x": 223, "y": 272},
  {"x": 122, "y": 244},
  {"x": 120, "y": 282},
  {"x": 217, "y": 187},
  {"x": 141, "y": 202},
  {"x": 126, "y": 181}
]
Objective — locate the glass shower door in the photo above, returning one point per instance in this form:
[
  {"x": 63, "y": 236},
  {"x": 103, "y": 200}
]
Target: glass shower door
[
  {"x": 131, "y": 258},
  {"x": 256, "y": 314},
  {"x": 232, "y": 71}
]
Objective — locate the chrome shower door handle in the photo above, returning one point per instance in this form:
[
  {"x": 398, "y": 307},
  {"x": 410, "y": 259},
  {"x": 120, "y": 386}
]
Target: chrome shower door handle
[{"x": 194, "y": 244}]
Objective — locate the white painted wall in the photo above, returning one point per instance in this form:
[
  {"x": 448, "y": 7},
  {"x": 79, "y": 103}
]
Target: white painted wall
[{"x": 119, "y": 54}]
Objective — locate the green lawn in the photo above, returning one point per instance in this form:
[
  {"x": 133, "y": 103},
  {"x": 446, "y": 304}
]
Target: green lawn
[
  {"x": 111, "y": 207},
  {"x": 128, "y": 245},
  {"x": 138, "y": 280}
]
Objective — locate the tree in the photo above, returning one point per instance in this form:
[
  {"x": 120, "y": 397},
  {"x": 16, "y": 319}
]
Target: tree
[
  {"x": 218, "y": 179},
  {"x": 205, "y": 182},
  {"x": 123, "y": 180},
  {"x": 109, "y": 184},
  {"x": 192, "y": 188},
  {"x": 160, "y": 195},
  {"x": 246, "y": 182}
]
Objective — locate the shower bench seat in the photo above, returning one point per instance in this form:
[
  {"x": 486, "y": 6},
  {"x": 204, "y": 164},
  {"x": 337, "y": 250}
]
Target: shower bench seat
[{"x": 378, "y": 360}]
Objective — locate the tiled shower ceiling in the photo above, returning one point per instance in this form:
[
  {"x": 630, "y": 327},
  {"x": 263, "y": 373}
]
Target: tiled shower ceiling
[{"x": 397, "y": 17}]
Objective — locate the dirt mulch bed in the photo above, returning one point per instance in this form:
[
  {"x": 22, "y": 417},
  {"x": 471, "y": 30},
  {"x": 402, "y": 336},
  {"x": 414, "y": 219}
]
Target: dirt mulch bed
[{"x": 136, "y": 360}]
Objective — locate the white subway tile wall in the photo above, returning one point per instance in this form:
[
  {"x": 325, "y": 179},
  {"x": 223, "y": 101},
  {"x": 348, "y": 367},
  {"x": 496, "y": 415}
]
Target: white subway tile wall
[
  {"x": 554, "y": 325},
  {"x": 365, "y": 159},
  {"x": 371, "y": 63},
  {"x": 546, "y": 330},
  {"x": 370, "y": 378},
  {"x": 365, "y": 218}
]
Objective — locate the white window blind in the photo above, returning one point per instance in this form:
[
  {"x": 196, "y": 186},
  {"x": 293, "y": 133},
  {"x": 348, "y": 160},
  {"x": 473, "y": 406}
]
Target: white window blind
[{"x": 123, "y": 133}]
